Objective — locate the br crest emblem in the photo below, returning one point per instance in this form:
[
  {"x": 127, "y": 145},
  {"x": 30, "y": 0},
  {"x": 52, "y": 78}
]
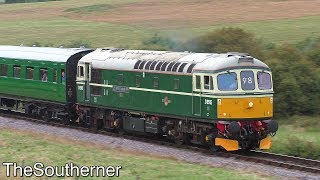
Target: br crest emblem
[{"x": 166, "y": 101}]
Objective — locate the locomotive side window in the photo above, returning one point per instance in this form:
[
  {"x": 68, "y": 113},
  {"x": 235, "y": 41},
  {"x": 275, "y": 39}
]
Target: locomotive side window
[
  {"x": 138, "y": 81},
  {"x": 120, "y": 79},
  {"x": 227, "y": 82},
  {"x": 176, "y": 84},
  {"x": 156, "y": 82},
  {"x": 4, "y": 70},
  {"x": 198, "y": 82},
  {"x": 16, "y": 71},
  {"x": 247, "y": 80},
  {"x": 44, "y": 75},
  {"x": 208, "y": 83},
  {"x": 96, "y": 78},
  {"x": 30, "y": 72},
  {"x": 264, "y": 80}
]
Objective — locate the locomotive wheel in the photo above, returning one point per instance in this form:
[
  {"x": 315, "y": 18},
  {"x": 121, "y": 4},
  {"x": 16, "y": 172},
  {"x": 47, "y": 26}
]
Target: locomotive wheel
[
  {"x": 181, "y": 138},
  {"x": 65, "y": 120}
]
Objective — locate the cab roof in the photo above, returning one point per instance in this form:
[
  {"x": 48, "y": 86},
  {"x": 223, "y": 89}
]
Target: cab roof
[{"x": 187, "y": 62}]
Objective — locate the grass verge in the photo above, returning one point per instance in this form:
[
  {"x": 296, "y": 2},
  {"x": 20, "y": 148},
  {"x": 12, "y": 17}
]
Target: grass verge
[{"x": 17, "y": 146}]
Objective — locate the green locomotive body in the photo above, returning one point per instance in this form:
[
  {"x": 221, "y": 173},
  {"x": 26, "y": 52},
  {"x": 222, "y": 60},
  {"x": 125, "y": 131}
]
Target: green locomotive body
[{"x": 178, "y": 95}]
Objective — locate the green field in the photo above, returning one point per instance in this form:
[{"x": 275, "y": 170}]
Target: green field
[
  {"x": 16, "y": 146},
  {"x": 60, "y": 22}
]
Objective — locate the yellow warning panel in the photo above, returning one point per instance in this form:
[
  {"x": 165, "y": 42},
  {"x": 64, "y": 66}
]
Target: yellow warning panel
[
  {"x": 265, "y": 143},
  {"x": 248, "y": 107},
  {"x": 227, "y": 144}
]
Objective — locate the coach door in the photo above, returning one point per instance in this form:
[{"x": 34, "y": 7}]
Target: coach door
[
  {"x": 196, "y": 94},
  {"x": 84, "y": 71},
  {"x": 87, "y": 79}
]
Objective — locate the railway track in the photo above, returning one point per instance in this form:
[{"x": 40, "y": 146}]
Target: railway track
[{"x": 271, "y": 159}]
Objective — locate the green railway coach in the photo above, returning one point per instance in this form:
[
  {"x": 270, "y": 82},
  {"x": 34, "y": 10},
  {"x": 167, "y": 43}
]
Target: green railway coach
[{"x": 38, "y": 80}]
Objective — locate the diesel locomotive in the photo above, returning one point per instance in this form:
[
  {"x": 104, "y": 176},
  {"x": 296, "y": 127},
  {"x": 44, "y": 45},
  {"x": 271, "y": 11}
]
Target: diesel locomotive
[{"x": 223, "y": 100}]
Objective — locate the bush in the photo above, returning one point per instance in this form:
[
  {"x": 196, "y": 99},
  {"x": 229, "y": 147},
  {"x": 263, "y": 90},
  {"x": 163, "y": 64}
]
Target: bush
[
  {"x": 225, "y": 40},
  {"x": 302, "y": 148}
]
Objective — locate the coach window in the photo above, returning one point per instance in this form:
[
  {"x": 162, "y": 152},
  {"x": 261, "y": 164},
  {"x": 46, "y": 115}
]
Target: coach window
[
  {"x": 120, "y": 79},
  {"x": 4, "y": 70},
  {"x": 176, "y": 84},
  {"x": 208, "y": 83},
  {"x": 96, "y": 78},
  {"x": 156, "y": 82},
  {"x": 55, "y": 75},
  {"x": 138, "y": 81},
  {"x": 43, "y": 75},
  {"x": 16, "y": 71},
  {"x": 30, "y": 72},
  {"x": 63, "y": 76}
]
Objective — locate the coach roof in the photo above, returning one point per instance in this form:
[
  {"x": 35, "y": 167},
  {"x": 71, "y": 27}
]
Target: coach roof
[
  {"x": 39, "y": 53},
  {"x": 119, "y": 59}
]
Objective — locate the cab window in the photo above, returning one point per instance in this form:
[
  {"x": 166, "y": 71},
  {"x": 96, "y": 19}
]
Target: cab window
[
  {"x": 198, "y": 82},
  {"x": 208, "y": 83},
  {"x": 80, "y": 72},
  {"x": 247, "y": 80},
  {"x": 264, "y": 80},
  {"x": 227, "y": 82}
]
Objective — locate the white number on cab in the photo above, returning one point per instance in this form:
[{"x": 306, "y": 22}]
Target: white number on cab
[{"x": 208, "y": 101}]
